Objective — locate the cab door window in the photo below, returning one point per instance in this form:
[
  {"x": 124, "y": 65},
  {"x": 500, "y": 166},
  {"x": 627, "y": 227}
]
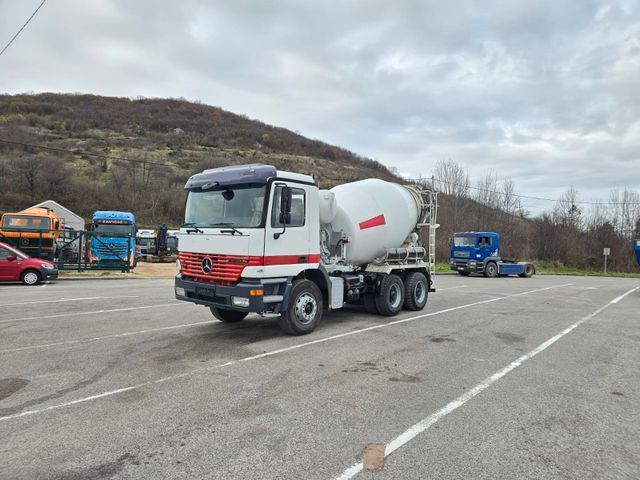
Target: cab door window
[{"x": 298, "y": 208}]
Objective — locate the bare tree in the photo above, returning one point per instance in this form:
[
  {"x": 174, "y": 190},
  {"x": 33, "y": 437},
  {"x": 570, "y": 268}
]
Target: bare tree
[{"x": 452, "y": 177}]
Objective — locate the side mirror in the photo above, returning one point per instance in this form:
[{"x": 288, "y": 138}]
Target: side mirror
[
  {"x": 284, "y": 216},
  {"x": 451, "y": 241},
  {"x": 285, "y": 205},
  {"x": 10, "y": 258}
]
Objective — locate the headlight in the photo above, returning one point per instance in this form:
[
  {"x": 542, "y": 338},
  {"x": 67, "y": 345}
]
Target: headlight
[
  {"x": 180, "y": 292},
  {"x": 48, "y": 266},
  {"x": 240, "y": 301}
]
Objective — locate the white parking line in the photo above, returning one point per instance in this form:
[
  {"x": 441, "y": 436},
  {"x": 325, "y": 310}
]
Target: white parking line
[
  {"x": 66, "y": 300},
  {"x": 271, "y": 353},
  {"x": 104, "y": 337},
  {"x": 427, "y": 422},
  {"x": 95, "y": 312},
  {"x": 616, "y": 300}
]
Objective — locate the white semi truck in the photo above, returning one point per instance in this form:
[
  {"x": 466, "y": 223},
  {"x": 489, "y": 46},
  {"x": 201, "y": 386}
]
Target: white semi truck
[{"x": 256, "y": 239}]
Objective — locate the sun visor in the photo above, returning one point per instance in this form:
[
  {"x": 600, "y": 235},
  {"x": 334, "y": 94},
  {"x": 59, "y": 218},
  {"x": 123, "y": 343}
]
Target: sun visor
[{"x": 232, "y": 175}]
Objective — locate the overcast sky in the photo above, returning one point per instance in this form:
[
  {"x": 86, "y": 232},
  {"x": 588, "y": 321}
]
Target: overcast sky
[{"x": 544, "y": 92}]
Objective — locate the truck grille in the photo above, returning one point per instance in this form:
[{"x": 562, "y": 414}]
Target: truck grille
[
  {"x": 225, "y": 269},
  {"x": 461, "y": 254},
  {"x": 118, "y": 251}
]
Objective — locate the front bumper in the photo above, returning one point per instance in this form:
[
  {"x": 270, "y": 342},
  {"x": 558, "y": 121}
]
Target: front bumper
[
  {"x": 48, "y": 274},
  {"x": 211, "y": 295},
  {"x": 466, "y": 265}
]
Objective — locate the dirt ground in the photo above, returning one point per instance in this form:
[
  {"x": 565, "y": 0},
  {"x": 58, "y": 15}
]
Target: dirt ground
[{"x": 142, "y": 270}]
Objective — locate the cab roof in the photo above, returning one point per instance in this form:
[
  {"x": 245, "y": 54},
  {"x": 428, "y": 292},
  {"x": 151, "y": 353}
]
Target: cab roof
[{"x": 235, "y": 174}]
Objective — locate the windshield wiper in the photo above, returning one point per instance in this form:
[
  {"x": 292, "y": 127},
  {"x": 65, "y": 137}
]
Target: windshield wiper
[
  {"x": 232, "y": 230},
  {"x": 192, "y": 230}
]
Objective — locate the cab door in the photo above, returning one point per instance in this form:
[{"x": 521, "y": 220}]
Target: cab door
[
  {"x": 9, "y": 270},
  {"x": 287, "y": 247}
]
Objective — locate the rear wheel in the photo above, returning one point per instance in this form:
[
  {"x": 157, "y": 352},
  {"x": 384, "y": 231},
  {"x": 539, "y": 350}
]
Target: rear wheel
[
  {"x": 31, "y": 277},
  {"x": 304, "y": 312},
  {"x": 491, "y": 270},
  {"x": 391, "y": 297},
  {"x": 228, "y": 316},
  {"x": 529, "y": 270},
  {"x": 416, "y": 291}
]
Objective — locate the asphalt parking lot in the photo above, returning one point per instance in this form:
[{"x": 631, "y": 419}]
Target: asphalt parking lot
[{"x": 496, "y": 378}]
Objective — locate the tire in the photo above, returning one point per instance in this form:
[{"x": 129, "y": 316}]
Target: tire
[
  {"x": 464, "y": 274},
  {"x": 416, "y": 291},
  {"x": 391, "y": 297},
  {"x": 31, "y": 277},
  {"x": 529, "y": 270},
  {"x": 369, "y": 302},
  {"x": 228, "y": 316},
  {"x": 491, "y": 270},
  {"x": 304, "y": 311}
]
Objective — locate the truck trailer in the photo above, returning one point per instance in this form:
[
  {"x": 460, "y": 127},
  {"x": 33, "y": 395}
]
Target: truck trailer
[
  {"x": 477, "y": 252},
  {"x": 257, "y": 239}
]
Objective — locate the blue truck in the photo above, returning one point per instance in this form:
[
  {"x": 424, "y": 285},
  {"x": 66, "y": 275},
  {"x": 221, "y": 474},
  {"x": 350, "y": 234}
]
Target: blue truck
[
  {"x": 636, "y": 248},
  {"x": 113, "y": 239},
  {"x": 477, "y": 252}
]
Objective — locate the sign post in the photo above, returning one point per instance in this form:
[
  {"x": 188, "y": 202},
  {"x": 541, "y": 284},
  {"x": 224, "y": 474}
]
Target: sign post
[{"x": 607, "y": 252}]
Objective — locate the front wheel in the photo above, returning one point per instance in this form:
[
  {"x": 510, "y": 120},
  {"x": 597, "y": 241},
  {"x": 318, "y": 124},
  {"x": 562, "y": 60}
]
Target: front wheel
[
  {"x": 416, "y": 291},
  {"x": 31, "y": 277},
  {"x": 228, "y": 316},
  {"x": 304, "y": 312},
  {"x": 491, "y": 270}
]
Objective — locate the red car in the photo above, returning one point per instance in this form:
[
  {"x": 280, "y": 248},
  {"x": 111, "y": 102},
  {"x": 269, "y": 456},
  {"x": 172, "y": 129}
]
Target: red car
[{"x": 16, "y": 266}]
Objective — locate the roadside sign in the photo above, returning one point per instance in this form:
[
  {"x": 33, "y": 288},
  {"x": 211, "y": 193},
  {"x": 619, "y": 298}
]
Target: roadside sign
[{"x": 607, "y": 251}]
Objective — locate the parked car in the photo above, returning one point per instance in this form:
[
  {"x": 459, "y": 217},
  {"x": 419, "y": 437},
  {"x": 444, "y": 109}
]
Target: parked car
[{"x": 17, "y": 266}]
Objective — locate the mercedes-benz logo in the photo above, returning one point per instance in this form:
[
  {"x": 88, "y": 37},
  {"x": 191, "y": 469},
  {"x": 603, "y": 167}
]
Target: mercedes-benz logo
[
  {"x": 111, "y": 245},
  {"x": 206, "y": 265}
]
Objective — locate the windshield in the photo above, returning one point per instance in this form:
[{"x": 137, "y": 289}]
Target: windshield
[
  {"x": 113, "y": 229},
  {"x": 464, "y": 241},
  {"x": 24, "y": 222},
  {"x": 233, "y": 206}
]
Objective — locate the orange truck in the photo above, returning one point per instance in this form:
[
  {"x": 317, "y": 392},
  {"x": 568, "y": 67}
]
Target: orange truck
[{"x": 35, "y": 231}]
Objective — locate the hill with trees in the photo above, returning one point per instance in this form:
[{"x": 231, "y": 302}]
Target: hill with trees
[
  {"x": 136, "y": 154},
  {"x": 91, "y": 152}
]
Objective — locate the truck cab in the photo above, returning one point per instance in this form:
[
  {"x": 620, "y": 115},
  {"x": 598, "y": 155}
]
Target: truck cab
[
  {"x": 478, "y": 252},
  {"x": 636, "y": 248},
  {"x": 36, "y": 231},
  {"x": 112, "y": 243},
  {"x": 243, "y": 225}
]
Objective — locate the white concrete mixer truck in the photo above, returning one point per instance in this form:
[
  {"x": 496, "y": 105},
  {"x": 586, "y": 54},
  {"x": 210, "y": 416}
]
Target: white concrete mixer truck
[{"x": 260, "y": 240}]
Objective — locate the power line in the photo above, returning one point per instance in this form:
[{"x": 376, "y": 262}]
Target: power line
[
  {"x": 89, "y": 154},
  {"x": 530, "y": 197},
  {"x": 22, "y": 28},
  {"x": 418, "y": 180}
]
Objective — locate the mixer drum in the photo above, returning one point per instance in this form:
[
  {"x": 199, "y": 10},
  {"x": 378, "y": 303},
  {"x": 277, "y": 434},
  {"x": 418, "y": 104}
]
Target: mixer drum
[{"x": 377, "y": 215}]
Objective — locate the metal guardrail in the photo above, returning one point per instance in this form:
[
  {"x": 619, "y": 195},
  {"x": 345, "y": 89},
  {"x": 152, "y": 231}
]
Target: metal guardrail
[{"x": 74, "y": 250}]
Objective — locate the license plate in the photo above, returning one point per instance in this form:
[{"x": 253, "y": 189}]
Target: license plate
[
  {"x": 206, "y": 292},
  {"x": 460, "y": 268}
]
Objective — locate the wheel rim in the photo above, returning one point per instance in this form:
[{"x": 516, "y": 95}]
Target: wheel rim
[
  {"x": 31, "y": 278},
  {"x": 492, "y": 270},
  {"x": 395, "y": 296},
  {"x": 420, "y": 292},
  {"x": 306, "y": 308}
]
